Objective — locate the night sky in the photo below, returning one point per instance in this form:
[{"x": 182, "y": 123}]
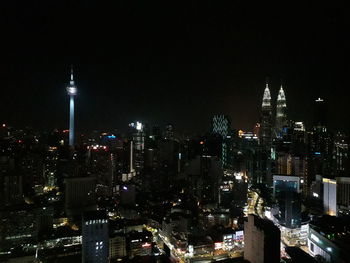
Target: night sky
[{"x": 170, "y": 61}]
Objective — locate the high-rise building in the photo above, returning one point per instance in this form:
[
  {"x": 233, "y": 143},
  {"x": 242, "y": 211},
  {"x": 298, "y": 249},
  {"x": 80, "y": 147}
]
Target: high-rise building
[
  {"x": 281, "y": 113},
  {"x": 227, "y": 154},
  {"x": 95, "y": 237},
  {"x": 220, "y": 129},
  {"x": 330, "y": 196},
  {"x": 138, "y": 138},
  {"x": 340, "y": 153},
  {"x": 221, "y": 125},
  {"x": 285, "y": 183},
  {"x": 289, "y": 203},
  {"x": 72, "y": 92},
  {"x": 262, "y": 240},
  {"x": 343, "y": 195},
  {"x": 320, "y": 115},
  {"x": 286, "y": 190},
  {"x": 284, "y": 163},
  {"x": 288, "y": 164},
  {"x": 80, "y": 194},
  {"x": 266, "y": 118},
  {"x": 320, "y": 144},
  {"x": 265, "y": 138},
  {"x": 299, "y": 142},
  {"x": 335, "y": 194}
]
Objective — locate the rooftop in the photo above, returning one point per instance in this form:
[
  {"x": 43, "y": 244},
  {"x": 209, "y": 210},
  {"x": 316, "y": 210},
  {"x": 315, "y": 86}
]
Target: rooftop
[{"x": 92, "y": 215}]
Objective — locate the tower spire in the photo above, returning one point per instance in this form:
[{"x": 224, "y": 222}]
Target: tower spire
[
  {"x": 71, "y": 76},
  {"x": 267, "y": 81},
  {"x": 266, "y": 114},
  {"x": 281, "y": 112},
  {"x": 281, "y": 97},
  {"x": 267, "y": 96}
]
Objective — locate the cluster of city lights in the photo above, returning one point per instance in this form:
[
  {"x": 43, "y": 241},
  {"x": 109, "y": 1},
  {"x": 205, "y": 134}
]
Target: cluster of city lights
[{"x": 97, "y": 147}]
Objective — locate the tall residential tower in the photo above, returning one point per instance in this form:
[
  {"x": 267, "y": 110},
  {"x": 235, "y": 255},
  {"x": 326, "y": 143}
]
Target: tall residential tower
[{"x": 72, "y": 92}]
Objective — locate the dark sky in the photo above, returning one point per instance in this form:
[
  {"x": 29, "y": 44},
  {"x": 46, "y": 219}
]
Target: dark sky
[{"x": 170, "y": 61}]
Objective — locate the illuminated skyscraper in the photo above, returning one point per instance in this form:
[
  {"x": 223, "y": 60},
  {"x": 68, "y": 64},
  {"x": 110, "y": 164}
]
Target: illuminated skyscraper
[
  {"x": 281, "y": 114},
  {"x": 266, "y": 118},
  {"x": 330, "y": 196},
  {"x": 266, "y": 135},
  {"x": 340, "y": 153},
  {"x": 72, "y": 92},
  {"x": 138, "y": 141},
  {"x": 95, "y": 241},
  {"x": 221, "y": 125}
]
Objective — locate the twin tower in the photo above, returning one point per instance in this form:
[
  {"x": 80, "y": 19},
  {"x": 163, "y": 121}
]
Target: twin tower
[{"x": 273, "y": 127}]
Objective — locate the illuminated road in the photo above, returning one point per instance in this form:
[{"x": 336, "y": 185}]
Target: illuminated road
[
  {"x": 289, "y": 237},
  {"x": 182, "y": 256},
  {"x": 255, "y": 204}
]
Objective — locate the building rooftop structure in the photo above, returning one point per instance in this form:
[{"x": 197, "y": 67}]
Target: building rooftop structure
[
  {"x": 329, "y": 237},
  {"x": 93, "y": 215},
  {"x": 334, "y": 228},
  {"x": 262, "y": 240}
]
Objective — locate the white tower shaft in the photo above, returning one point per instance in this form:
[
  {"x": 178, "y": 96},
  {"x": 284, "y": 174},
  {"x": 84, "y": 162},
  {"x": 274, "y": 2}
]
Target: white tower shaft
[{"x": 71, "y": 121}]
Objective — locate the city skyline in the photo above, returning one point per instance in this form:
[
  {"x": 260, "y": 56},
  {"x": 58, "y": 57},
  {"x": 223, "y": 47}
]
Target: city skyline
[
  {"x": 150, "y": 131},
  {"x": 170, "y": 71},
  {"x": 146, "y": 118}
]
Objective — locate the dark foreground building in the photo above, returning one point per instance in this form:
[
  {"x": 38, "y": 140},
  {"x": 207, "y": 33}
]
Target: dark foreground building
[{"x": 262, "y": 240}]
